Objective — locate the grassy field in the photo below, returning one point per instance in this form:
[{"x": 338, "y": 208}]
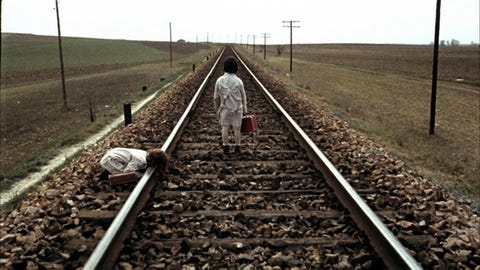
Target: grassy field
[
  {"x": 30, "y": 53},
  {"x": 100, "y": 74},
  {"x": 384, "y": 91}
]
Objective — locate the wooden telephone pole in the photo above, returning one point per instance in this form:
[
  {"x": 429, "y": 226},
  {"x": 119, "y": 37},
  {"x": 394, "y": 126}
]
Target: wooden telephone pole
[
  {"x": 435, "y": 71},
  {"x": 265, "y": 36},
  {"x": 291, "y": 26},
  {"x": 253, "y": 44},
  {"x": 0, "y": 41},
  {"x": 170, "y": 25},
  {"x": 64, "y": 90}
]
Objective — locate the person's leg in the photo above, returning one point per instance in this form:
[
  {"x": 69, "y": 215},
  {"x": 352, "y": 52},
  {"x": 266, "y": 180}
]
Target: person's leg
[
  {"x": 225, "y": 138},
  {"x": 225, "y": 135},
  {"x": 238, "y": 137}
]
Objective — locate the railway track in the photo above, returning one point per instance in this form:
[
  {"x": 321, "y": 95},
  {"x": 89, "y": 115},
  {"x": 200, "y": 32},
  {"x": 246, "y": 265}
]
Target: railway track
[{"x": 278, "y": 203}]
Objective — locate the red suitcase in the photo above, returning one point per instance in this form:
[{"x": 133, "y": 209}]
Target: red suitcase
[{"x": 249, "y": 124}]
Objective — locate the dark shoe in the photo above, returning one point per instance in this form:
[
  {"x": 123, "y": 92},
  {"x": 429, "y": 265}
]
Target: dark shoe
[
  {"x": 226, "y": 149},
  {"x": 237, "y": 149},
  {"x": 104, "y": 175}
]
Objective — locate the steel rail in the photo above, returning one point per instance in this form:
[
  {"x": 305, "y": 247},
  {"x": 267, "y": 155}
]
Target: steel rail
[
  {"x": 108, "y": 249},
  {"x": 382, "y": 239}
]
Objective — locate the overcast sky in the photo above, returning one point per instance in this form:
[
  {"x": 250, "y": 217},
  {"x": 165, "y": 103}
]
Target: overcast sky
[{"x": 329, "y": 21}]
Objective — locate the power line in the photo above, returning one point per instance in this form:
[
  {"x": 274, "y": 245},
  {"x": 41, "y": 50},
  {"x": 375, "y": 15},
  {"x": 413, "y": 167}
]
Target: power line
[{"x": 291, "y": 26}]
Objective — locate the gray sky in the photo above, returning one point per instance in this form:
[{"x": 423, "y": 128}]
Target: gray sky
[{"x": 330, "y": 21}]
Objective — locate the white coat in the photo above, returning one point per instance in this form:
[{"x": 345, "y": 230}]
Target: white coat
[
  {"x": 230, "y": 100},
  {"x": 121, "y": 160}
]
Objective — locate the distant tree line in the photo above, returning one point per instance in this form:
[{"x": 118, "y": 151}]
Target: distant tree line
[{"x": 452, "y": 42}]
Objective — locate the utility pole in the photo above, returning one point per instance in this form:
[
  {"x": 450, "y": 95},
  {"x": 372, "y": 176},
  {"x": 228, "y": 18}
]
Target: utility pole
[
  {"x": 196, "y": 44},
  {"x": 435, "y": 71},
  {"x": 170, "y": 44},
  {"x": 265, "y": 36},
  {"x": 207, "y": 39},
  {"x": 253, "y": 44},
  {"x": 0, "y": 41},
  {"x": 248, "y": 36},
  {"x": 64, "y": 90},
  {"x": 291, "y": 26}
]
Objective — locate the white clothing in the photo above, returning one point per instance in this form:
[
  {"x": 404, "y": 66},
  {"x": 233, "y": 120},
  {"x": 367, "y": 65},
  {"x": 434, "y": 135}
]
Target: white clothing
[
  {"x": 237, "y": 135},
  {"x": 230, "y": 100},
  {"x": 121, "y": 160}
]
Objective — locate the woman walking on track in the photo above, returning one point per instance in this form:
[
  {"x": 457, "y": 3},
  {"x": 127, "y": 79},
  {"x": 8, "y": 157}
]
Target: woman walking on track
[{"x": 230, "y": 103}]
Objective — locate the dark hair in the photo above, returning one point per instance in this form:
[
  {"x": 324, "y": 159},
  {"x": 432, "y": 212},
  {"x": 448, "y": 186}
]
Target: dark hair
[
  {"x": 158, "y": 159},
  {"x": 230, "y": 65}
]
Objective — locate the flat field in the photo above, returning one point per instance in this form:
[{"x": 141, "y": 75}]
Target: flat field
[
  {"x": 384, "y": 91},
  {"x": 101, "y": 75}
]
